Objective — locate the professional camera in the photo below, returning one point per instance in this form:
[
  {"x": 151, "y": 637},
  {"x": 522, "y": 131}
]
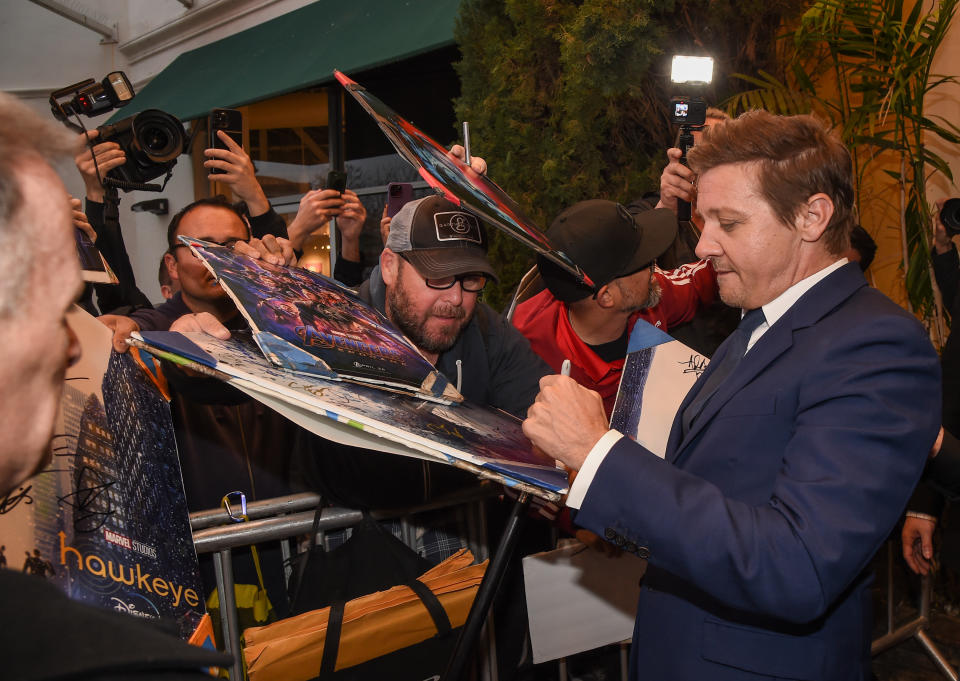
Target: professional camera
[
  {"x": 950, "y": 216},
  {"x": 689, "y": 111},
  {"x": 151, "y": 139}
]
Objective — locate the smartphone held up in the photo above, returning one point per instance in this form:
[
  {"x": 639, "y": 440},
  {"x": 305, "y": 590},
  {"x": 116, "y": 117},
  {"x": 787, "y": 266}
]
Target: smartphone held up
[{"x": 231, "y": 122}]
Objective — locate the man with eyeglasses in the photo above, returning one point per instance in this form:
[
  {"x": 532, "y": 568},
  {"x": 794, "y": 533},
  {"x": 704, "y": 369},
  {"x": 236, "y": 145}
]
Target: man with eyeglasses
[
  {"x": 590, "y": 326},
  {"x": 432, "y": 271}
]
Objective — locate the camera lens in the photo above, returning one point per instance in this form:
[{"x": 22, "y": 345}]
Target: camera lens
[
  {"x": 950, "y": 216},
  {"x": 155, "y": 140},
  {"x": 158, "y": 135}
]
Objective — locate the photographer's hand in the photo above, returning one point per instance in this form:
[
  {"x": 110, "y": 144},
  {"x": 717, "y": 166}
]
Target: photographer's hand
[
  {"x": 109, "y": 155},
  {"x": 239, "y": 174},
  {"x": 80, "y": 220},
  {"x": 316, "y": 208},
  {"x": 676, "y": 182}
]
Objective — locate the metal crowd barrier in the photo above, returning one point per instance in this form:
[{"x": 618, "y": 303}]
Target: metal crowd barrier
[
  {"x": 281, "y": 518},
  {"x": 915, "y": 628}
]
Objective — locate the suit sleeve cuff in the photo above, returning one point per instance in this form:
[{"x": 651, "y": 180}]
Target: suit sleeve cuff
[{"x": 578, "y": 490}]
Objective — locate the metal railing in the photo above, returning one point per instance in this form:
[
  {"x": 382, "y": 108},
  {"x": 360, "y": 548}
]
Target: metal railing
[
  {"x": 281, "y": 518},
  {"x": 915, "y": 628}
]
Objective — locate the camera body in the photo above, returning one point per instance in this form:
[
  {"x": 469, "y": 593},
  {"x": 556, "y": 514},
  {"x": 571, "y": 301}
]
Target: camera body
[
  {"x": 152, "y": 139},
  {"x": 688, "y": 111},
  {"x": 950, "y": 216}
]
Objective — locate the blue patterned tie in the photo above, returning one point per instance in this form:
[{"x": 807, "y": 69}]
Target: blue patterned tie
[{"x": 736, "y": 348}]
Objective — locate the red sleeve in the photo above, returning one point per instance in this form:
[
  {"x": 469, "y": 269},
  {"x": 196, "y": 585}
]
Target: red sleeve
[{"x": 685, "y": 290}]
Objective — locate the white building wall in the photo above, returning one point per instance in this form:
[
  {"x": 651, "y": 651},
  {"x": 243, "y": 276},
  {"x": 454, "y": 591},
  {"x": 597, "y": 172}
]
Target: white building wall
[{"x": 41, "y": 51}]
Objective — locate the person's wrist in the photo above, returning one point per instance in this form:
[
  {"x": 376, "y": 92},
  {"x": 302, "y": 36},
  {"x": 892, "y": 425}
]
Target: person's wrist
[
  {"x": 350, "y": 251},
  {"x": 921, "y": 516},
  {"x": 257, "y": 205}
]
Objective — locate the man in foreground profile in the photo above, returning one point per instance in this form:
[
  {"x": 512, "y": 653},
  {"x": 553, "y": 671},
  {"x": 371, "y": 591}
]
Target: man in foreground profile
[{"x": 47, "y": 635}]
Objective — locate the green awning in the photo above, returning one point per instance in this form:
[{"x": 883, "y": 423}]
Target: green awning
[{"x": 294, "y": 51}]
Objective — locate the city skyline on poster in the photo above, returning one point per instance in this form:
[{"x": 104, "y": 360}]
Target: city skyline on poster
[
  {"x": 106, "y": 520},
  {"x": 657, "y": 374}
]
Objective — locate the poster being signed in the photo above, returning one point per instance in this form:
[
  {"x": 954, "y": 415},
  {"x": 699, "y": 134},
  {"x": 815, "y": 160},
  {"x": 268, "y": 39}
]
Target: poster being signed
[
  {"x": 657, "y": 375},
  {"x": 483, "y": 440},
  {"x": 106, "y": 520}
]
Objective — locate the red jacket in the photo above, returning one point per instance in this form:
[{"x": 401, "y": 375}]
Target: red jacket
[{"x": 543, "y": 320}]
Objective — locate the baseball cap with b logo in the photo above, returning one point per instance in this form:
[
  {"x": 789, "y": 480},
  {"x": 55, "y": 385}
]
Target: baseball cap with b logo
[{"x": 439, "y": 239}]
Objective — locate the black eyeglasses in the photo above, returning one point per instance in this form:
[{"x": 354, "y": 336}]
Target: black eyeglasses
[
  {"x": 229, "y": 243},
  {"x": 472, "y": 282}
]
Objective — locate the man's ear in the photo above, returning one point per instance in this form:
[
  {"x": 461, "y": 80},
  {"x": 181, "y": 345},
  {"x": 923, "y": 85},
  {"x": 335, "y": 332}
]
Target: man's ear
[
  {"x": 606, "y": 297},
  {"x": 171, "y": 262},
  {"x": 389, "y": 266},
  {"x": 815, "y": 217}
]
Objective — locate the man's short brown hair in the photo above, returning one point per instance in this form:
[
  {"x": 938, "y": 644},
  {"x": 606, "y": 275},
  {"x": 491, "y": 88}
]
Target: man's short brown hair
[{"x": 795, "y": 158}]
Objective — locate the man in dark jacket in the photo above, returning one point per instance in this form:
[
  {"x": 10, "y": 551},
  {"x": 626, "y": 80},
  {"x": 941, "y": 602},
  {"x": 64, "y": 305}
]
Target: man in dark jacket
[{"x": 428, "y": 284}]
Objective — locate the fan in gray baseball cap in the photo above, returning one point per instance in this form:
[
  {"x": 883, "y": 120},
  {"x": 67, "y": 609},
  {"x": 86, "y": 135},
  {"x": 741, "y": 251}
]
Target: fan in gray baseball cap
[
  {"x": 439, "y": 239},
  {"x": 434, "y": 266}
]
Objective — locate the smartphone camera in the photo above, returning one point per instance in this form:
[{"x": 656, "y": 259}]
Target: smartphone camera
[{"x": 337, "y": 180}]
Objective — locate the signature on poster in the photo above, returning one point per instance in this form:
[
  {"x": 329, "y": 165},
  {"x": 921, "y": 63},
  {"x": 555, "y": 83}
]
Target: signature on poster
[
  {"x": 91, "y": 503},
  {"x": 11, "y": 500},
  {"x": 695, "y": 365}
]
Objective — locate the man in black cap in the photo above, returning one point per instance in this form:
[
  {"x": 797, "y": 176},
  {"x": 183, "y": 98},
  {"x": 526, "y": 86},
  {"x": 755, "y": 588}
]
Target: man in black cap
[{"x": 590, "y": 326}]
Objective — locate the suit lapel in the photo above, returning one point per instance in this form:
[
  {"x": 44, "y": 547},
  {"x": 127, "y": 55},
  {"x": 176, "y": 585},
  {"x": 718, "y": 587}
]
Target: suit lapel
[{"x": 808, "y": 310}]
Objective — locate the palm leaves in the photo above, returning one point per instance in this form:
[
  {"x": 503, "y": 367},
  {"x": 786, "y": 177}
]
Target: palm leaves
[{"x": 867, "y": 67}]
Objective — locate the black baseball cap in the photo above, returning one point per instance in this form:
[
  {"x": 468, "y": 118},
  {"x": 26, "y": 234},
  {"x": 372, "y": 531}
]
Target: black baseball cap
[
  {"x": 439, "y": 239},
  {"x": 607, "y": 242}
]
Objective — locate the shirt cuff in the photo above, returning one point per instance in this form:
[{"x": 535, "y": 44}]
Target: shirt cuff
[
  {"x": 922, "y": 516},
  {"x": 578, "y": 490}
]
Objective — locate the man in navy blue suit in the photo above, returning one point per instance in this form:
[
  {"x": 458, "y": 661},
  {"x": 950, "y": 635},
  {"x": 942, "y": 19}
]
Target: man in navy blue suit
[{"x": 784, "y": 477}]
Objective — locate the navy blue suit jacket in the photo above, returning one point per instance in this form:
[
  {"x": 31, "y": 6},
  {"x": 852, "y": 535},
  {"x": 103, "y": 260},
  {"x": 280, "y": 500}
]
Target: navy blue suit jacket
[{"x": 762, "y": 519}]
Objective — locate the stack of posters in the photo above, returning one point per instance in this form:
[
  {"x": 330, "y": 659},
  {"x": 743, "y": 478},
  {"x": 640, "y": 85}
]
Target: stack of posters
[{"x": 486, "y": 441}]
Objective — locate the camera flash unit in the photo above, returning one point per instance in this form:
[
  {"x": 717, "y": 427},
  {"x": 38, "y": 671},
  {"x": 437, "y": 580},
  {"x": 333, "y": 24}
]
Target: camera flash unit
[{"x": 692, "y": 69}]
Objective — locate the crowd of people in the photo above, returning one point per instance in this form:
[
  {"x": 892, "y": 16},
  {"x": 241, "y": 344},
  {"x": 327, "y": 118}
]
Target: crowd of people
[{"x": 789, "y": 463}]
